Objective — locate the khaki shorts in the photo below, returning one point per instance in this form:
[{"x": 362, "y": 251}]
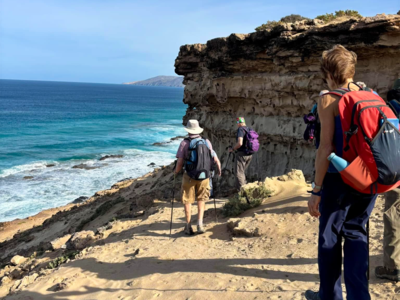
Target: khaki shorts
[{"x": 192, "y": 187}]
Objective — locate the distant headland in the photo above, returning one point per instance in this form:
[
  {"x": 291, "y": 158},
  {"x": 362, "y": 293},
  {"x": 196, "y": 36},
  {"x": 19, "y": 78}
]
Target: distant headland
[{"x": 167, "y": 81}]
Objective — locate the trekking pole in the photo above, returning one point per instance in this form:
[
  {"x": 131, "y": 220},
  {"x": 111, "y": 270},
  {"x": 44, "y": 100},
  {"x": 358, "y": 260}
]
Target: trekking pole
[
  {"x": 368, "y": 250},
  {"x": 226, "y": 164},
  {"x": 215, "y": 205},
  {"x": 172, "y": 201}
]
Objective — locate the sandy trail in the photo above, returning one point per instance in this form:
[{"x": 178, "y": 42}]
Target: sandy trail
[{"x": 281, "y": 264}]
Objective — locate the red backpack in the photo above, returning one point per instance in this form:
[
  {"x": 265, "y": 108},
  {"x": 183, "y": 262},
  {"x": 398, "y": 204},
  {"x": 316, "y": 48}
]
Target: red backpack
[{"x": 370, "y": 133}]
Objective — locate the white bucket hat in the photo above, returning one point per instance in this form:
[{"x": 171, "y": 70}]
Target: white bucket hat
[{"x": 193, "y": 127}]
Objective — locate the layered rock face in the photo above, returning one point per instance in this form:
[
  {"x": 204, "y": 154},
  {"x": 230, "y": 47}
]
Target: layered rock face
[{"x": 272, "y": 79}]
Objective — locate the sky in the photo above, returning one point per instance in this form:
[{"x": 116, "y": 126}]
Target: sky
[{"x": 127, "y": 40}]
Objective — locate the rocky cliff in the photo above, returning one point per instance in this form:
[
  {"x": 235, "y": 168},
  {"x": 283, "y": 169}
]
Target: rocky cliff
[{"x": 272, "y": 79}]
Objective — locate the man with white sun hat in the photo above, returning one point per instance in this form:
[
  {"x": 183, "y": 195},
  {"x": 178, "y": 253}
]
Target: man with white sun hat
[{"x": 197, "y": 157}]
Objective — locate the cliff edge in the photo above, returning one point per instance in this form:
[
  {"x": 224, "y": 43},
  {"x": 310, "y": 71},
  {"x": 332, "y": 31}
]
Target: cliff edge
[{"x": 272, "y": 79}]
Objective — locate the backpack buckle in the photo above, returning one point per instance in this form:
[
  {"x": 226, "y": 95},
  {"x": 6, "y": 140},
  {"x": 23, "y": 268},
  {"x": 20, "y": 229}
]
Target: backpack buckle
[{"x": 353, "y": 130}]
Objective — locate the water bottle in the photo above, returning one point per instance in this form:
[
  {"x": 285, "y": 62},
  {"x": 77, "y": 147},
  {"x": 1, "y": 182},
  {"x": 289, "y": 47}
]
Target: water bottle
[{"x": 339, "y": 163}]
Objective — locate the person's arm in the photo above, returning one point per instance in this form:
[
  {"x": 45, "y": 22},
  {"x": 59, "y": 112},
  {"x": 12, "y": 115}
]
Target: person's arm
[
  {"x": 180, "y": 155},
  {"x": 179, "y": 165},
  {"x": 238, "y": 144},
  {"x": 327, "y": 119},
  {"x": 218, "y": 163}
]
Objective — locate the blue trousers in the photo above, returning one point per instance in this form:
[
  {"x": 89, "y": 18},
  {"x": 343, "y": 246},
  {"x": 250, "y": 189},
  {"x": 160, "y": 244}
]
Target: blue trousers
[{"x": 344, "y": 214}]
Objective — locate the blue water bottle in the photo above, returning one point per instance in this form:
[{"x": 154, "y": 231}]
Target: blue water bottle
[{"x": 339, "y": 163}]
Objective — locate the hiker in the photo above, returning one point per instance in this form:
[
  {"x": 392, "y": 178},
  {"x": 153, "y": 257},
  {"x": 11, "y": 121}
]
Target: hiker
[
  {"x": 391, "y": 218},
  {"x": 196, "y": 156},
  {"x": 243, "y": 152},
  {"x": 342, "y": 211}
]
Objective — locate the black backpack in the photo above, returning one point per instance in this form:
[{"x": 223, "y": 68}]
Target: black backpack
[{"x": 198, "y": 161}]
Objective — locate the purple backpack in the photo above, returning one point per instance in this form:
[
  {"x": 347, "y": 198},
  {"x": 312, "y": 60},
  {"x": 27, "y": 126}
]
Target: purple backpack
[{"x": 252, "y": 145}]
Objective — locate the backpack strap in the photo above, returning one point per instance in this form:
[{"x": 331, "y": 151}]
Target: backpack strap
[
  {"x": 338, "y": 92},
  {"x": 191, "y": 149}
]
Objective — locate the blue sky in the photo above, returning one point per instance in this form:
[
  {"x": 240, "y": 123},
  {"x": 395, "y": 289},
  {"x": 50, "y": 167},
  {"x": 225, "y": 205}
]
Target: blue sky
[{"x": 118, "y": 41}]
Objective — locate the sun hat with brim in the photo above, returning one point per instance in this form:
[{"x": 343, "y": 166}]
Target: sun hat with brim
[{"x": 193, "y": 127}]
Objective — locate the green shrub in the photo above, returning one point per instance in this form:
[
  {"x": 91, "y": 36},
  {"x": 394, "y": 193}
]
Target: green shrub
[
  {"x": 62, "y": 259},
  {"x": 340, "y": 13},
  {"x": 268, "y": 25},
  {"x": 288, "y": 19},
  {"x": 238, "y": 204},
  {"x": 293, "y": 18}
]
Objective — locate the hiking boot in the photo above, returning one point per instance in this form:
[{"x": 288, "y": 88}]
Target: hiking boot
[
  {"x": 200, "y": 229},
  {"x": 385, "y": 273},
  {"x": 310, "y": 295},
  {"x": 189, "y": 229}
]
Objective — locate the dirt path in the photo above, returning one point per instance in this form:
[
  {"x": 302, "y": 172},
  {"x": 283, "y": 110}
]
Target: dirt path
[{"x": 280, "y": 264}]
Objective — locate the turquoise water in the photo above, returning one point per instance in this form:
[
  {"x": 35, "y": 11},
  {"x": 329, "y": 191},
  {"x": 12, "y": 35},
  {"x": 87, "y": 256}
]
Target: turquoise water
[{"x": 67, "y": 124}]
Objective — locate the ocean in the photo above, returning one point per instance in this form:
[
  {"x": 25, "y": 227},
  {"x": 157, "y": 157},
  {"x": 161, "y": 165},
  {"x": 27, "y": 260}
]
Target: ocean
[{"x": 46, "y": 128}]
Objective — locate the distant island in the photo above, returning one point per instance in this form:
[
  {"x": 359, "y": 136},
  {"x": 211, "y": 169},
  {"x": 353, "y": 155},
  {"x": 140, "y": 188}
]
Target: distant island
[{"x": 168, "y": 81}]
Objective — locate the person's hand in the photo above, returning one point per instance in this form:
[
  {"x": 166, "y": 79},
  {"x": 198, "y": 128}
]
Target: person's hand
[
  {"x": 313, "y": 205},
  {"x": 231, "y": 149},
  {"x": 219, "y": 172}
]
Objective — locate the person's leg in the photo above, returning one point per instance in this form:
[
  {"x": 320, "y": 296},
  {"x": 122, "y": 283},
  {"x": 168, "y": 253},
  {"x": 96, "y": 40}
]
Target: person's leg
[
  {"x": 355, "y": 245},
  {"x": 247, "y": 160},
  {"x": 329, "y": 241},
  {"x": 200, "y": 205},
  {"x": 240, "y": 164},
  {"x": 188, "y": 212},
  {"x": 391, "y": 236},
  {"x": 188, "y": 197},
  {"x": 203, "y": 194}
]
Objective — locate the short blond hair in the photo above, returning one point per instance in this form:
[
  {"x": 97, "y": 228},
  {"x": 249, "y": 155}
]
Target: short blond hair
[{"x": 340, "y": 63}]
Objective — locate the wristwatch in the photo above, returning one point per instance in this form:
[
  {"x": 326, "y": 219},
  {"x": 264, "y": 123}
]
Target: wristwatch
[
  {"x": 316, "y": 187},
  {"x": 319, "y": 193}
]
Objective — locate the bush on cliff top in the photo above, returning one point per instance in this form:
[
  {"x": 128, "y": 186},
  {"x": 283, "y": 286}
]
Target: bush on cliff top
[
  {"x": 238, "y": 203},
  {"x": 294, "y": 18},
  {"x": 288, "y": 19},
  {"x": 338, "y": 14}
]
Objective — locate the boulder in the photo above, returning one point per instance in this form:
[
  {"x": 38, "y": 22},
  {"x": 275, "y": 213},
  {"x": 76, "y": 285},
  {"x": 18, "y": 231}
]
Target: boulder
[
  {"x": 17, "y": 273},
  {"x": 5, "y": 280},
  {"x": 84, "y": 166},
  {"x": 60, "y": 243},
  {"x": 80, "y": 200},
  {"x": 111, "y": 156},
  {"x": 244, "y": 227},
  {"x": 18, "y": 260},
  {"x": 81, "y": 240},
  {"x": 28, "y": 280}
]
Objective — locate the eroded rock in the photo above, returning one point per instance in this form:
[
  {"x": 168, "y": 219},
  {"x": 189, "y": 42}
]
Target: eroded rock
[
  {"x": 60, "y": 243},
  {"x": 247, "y": 227},
  {"x": 81, "y": 240},
  {"x": 18, "y": 260},
  {"x": 80, "y": 200},
  {"x": 84, "y": 166},
  {"x": 272, "y": 78},
  {"x": 111, "y": 156}
]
